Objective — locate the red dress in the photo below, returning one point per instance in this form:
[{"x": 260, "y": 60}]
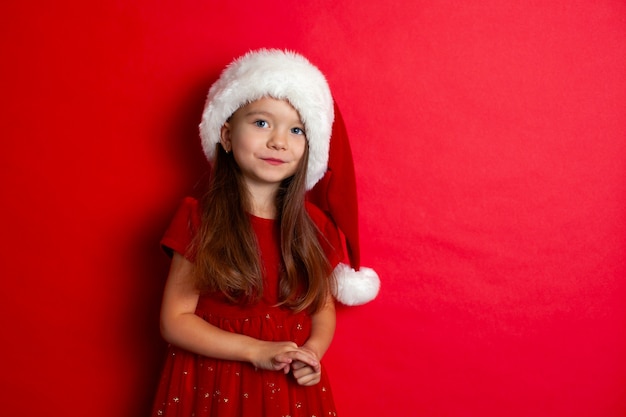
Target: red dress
[{"x": 195, "y": 385}]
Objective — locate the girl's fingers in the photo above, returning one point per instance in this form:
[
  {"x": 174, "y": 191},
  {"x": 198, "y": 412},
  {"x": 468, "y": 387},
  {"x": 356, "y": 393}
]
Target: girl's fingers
[
  {"x": 302, "y": 356},
  {"x": 305, "y": 375},
  {"x": 298, "y": 365},
  {"x": 304, "y": 371},
  {"x": 308, "y": 379}
]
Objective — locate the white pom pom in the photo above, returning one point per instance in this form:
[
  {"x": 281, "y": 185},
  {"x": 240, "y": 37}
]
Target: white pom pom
[{"x": 356, "y": 287}]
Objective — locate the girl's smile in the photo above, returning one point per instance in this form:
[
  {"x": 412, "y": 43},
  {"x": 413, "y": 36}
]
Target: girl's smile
[{"x": 273, "y": 161}]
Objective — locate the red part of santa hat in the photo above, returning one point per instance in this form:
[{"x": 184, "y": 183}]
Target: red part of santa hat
[{"x": 336, "y": 195}]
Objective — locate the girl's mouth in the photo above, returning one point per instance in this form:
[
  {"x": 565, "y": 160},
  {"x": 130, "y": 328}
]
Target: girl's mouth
[{"x": 274, "y": 161}]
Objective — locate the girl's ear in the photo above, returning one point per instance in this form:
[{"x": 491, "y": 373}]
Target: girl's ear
[{"x": 225, "y": 137}]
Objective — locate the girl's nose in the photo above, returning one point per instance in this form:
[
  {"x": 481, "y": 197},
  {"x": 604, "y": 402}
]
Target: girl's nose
[{"x": 278, "y": 140}]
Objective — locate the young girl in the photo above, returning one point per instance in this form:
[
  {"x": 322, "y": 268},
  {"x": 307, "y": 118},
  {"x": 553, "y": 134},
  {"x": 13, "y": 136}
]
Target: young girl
[{"x": 248, "y": 308}]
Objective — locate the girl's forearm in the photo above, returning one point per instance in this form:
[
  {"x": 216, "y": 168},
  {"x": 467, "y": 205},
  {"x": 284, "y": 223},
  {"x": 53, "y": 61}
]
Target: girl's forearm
[
  {"x": 194, "y": 334},
  {"x": 322, "y": 329}
]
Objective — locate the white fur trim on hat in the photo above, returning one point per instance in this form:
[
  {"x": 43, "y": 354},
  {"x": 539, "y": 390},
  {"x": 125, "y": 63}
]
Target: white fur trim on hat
[
  {"x": 281, "y": 75},
  {"x": 355, "y": 287}
]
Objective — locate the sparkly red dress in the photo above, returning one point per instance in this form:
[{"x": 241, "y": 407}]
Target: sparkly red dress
[{"x": 199, "y": 386}]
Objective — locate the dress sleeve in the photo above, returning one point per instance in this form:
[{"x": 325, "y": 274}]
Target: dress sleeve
[
  {"x": 330, "y": 237},
  {"x": 182, "y": 229}
]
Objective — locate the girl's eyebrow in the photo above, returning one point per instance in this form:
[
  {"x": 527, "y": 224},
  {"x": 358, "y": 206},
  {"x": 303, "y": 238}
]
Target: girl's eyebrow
[{"x": 258, "y": 113}]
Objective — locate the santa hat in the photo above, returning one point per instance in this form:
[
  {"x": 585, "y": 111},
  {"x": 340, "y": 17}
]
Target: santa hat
[
  {"x": 281, "y": 75},
  {"x": 289, "y": 76}
]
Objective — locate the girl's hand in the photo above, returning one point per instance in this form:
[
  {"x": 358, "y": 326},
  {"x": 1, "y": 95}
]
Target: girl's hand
[
  {"x": 279, "y": 356},
  {"x": 304, "y": 373}
]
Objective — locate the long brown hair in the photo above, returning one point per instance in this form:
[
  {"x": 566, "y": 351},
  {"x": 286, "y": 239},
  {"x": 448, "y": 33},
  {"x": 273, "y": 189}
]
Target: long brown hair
[{"x": 227, "y": 254}]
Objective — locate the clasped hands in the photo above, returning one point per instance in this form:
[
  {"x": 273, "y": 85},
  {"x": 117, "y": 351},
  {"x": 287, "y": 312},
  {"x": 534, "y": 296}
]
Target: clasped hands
[{"x": 301, "y": 361}]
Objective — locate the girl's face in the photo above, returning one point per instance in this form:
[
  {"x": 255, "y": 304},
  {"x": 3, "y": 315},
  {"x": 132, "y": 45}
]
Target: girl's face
[{"x": 267, "y": 140}]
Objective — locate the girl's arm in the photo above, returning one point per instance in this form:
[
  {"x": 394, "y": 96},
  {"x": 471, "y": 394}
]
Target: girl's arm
[
  {"x": 180, "y": 326},
  {"x": 322, "y": 329},
  {"x": 322, "y": 332}
]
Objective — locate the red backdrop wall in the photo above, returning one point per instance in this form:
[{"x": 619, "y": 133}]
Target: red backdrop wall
[{"x": 489, "y": 142}]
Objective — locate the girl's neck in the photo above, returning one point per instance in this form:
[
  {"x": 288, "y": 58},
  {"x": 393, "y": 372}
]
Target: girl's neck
[
  {"x": 264, "y": 212},
  {"x": 263, "y": 202}
]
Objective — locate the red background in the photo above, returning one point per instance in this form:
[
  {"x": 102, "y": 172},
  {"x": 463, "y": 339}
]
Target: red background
[{"x": 489, "y": 140}]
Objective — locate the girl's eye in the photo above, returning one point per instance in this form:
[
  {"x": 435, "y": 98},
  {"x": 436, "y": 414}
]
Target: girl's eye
[
  {"x": 261, "y": 123},
  {"x": 297, "y": 131}
]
